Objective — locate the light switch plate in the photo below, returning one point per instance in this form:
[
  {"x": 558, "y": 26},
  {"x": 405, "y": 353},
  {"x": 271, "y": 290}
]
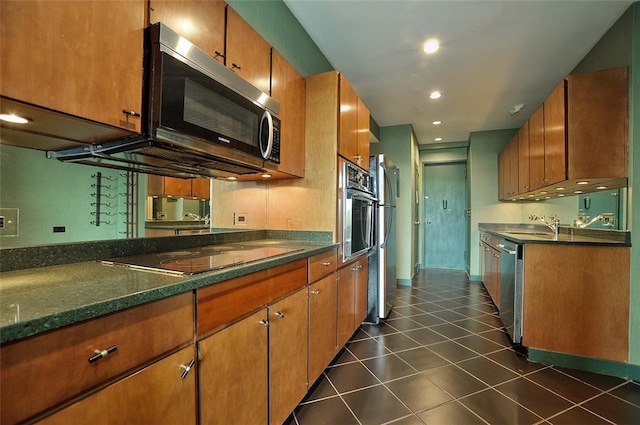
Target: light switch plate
[{"x": 9, "y": 225}]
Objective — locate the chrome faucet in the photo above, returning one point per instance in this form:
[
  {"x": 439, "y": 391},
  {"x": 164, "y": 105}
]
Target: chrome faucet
[
  {"x": 606, "y": 218},
  {"x": 554, "y": 225}
]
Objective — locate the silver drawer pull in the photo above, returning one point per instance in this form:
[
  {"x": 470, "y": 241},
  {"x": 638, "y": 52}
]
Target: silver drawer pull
[
  {"x": 264, "y": 322},
  {"x": 315, "y": 292},
  {"x": 280, "y": 314},
  {"x": 186, "y": 369},
  {"x": 101, "y": 354},
  {"x": 326, "y": 263}
]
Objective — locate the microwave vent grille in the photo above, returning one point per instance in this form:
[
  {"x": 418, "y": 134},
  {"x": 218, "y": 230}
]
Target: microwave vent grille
[{"x": 197, "y": 161}]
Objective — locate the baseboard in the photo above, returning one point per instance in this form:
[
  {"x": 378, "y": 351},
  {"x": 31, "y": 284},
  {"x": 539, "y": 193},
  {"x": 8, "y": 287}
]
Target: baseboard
[
  {"x": 590, "y": 364},
  {"x": 404, "y": 282},
  {"x": 475, "y": 278}
]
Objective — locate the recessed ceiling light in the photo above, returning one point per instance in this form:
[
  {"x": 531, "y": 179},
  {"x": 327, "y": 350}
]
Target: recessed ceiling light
[
  {"x": 431, "y": 46},
  {"x": 438, "y": 139},
  {"x": 437, "y": 122},
  {"x": 266, "y": 175},
  {"x": 560, "y": 188},
  {"x": 435, "y": 95},
  {"x": 601, "y": 187},
  {"x": 232, "y": 178},
  {"x": 560, "y": 195},
  {"x": 578, "y": 192},
  {"x": 582, "y": 183},
  {"x": 16, "y": 119}
]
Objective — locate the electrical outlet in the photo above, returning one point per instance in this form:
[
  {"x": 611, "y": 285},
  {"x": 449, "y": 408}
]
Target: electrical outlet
[
  {"x": 240, "y": 219},
  {"x": 9, "y": 221}
]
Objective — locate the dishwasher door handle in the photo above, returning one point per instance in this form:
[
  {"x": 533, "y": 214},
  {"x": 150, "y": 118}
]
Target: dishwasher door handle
[{"x": 503, "y": 249}]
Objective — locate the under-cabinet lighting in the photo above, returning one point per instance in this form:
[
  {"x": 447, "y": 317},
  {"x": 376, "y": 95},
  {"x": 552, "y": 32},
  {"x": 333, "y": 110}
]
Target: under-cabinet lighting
[
  {"x": 266, "y": 175},
  {"x": 431, "y": 46},
  {"x": 13, "y": 118},
  {"x": 232, "y": 178},
  {"x": 437, "y": 122},
  {"x": 578, "y": 192},
  {"x": 435, "y": 95},
  {"x": 583, "y": 183},
  {"x": 438, "y": 139},
  {"x": 601, "y": 187}
]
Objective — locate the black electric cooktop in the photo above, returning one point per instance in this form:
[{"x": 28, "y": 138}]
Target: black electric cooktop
[{"x": 199, "y": 260}]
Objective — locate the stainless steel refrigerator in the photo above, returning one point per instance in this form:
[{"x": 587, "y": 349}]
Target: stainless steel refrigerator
[{"x": 382, "y": 261}]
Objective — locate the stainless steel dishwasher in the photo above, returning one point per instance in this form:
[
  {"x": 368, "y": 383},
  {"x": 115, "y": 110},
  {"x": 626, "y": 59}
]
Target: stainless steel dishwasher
[{"x": 511, "y": 288}]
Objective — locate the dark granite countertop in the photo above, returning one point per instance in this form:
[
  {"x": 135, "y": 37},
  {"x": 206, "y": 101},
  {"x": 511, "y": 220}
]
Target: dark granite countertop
[
  {"x": 537, "y": 234},
  {"x": 35, "y": 300}
]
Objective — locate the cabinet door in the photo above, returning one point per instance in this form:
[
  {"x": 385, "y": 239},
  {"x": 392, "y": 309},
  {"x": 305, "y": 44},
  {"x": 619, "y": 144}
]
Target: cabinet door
[
  {"x": 513, "y": 166},
  {"x": 233, "y": 373},
  {"x": 177, "y": 187},
  {"x": 200, "y": 188},
  {"x": 288, "y": 88},
  {"x": 523, "y": 159},
  {"x": 158, "y": 394},
  {"x": 362, "y": 135},
  {"x": 348, "y": 141},
  {"x": 82, "y": 58},
  {"x": 555, "y": 162},
  {"x": 495, "y": 277},
  {"x": 248, "y": 53},
  {"x": 288, "y": 354},
  {"x": 503, "y": 166},
  {"x": 323, "y": 304},
  {"x": 200, "y": 22},
  {"x": 536, "y": 149},
  {"x": 346, "y": 304}
]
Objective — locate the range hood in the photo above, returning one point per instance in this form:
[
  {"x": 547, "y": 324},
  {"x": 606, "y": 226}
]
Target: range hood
[{"x": 161, "y": 148}]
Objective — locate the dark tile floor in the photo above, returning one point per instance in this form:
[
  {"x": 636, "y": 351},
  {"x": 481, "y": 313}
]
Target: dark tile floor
[{"x": 443, "y": 358}]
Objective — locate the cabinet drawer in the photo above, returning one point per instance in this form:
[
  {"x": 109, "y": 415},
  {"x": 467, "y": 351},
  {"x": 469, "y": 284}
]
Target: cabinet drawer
[
  {"x": 224, "y": 302},
  {"x": 39, "y": 372},
  {"x": 320, "y": 265}
]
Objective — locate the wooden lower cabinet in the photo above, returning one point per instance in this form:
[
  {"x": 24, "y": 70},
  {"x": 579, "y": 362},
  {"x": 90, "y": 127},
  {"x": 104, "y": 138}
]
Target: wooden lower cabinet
[
  {"x": 323, "y": 299},
  {"x": 576, "y": 300},
  {"x": 288, "y": 354},
  {"x": 352, "y": 299},
  {"x": 60, "y": 358},
  {"x": 233, "y": 373},
  {"x": 158, "y": 394}
]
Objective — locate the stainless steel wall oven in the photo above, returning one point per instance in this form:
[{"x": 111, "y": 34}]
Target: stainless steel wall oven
[{"x": 358, "y": 212}]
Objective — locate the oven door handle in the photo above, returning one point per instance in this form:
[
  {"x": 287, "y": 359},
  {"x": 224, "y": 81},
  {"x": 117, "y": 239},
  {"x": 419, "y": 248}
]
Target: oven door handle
[{"x": 504, "y": 249}]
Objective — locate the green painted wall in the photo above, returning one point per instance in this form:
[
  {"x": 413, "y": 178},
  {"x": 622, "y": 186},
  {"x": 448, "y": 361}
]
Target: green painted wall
[
  {"x": 275, "y": 22},
  {"x": 50, "y": 193}
]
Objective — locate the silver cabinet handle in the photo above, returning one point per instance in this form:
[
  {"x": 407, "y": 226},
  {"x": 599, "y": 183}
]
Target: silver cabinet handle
[
  {"x": 315, "y": 292},
  {"x": 99, "y": 354},
  {"x": 264, "y": 322},
  {"x": 326, "y": 263},
  {"x": 186, "y": 369},
  {"x": 280, "y": 314}
]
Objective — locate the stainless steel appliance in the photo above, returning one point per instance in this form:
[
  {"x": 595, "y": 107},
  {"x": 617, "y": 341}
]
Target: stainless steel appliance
[
  {"x": 358, "y": 212},
  {"x": 382, "y": 261},
  {"x": 511, "y": 288},
  {"x": 199, "y": 118},
  {"x": 199, "y": 260}
]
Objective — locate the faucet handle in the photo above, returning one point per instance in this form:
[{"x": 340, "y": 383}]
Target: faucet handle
[{"x": 533, "y": 217}]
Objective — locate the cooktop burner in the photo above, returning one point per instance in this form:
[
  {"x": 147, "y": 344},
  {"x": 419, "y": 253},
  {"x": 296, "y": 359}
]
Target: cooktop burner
[{"x": 200, "y": 260}]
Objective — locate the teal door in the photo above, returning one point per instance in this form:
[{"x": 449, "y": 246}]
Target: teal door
[{"x": 445, "y": 228}]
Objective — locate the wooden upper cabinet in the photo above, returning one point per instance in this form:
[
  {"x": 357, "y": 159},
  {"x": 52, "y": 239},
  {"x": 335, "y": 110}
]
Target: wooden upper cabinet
[
  {"x": 200, "y": 22},
  {"x": 523, "y": 159},
  {"x": 248, "y": 54},
  {"x": 82, "y": 58},
  {"x": 363, "y": 135},
  {"x": 288, "y": 87},
  {"x": 536, "y": 149},
  {"x": 597, "y": 117},
  {"x": 555, "y": 141},
  {"x": 512, "y": 168},
  {"x": 348, "y": 137},
  {"x": 173, "y": 186}
]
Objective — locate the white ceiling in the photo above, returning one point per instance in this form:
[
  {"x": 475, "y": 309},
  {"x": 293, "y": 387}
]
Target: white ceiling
[{"x": 493, "y": 55}]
